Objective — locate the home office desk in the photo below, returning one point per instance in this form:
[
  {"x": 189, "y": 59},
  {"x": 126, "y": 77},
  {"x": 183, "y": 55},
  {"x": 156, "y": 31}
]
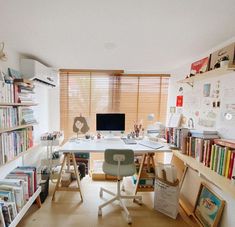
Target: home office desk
[{"x": 100, "y": 145}]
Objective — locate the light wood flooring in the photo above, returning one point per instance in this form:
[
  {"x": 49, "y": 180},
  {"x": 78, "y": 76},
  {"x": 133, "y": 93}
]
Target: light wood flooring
[{"x": 67, "y": 210}]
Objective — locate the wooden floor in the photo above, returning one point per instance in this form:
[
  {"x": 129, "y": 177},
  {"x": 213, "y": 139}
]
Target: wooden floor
[{"x": 67, "y": 210}]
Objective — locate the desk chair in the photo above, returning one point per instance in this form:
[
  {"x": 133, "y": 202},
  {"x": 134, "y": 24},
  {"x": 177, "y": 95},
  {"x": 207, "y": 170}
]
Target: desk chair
[{"x": 118, "y": 163}]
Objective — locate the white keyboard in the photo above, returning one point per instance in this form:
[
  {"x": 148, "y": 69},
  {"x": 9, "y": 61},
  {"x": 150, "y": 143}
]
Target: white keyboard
[
  {"x": 150, "y": 144},
  {"x": 129, "y": 141}
]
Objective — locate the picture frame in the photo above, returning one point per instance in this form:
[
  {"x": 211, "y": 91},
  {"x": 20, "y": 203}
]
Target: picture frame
[
  {"x": 209, "y": 207},
  {"x": 200, "y": 66}
]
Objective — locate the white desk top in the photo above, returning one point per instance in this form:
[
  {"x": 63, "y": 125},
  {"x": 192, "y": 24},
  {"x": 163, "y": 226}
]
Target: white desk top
[{"x": 99, "y": 145}]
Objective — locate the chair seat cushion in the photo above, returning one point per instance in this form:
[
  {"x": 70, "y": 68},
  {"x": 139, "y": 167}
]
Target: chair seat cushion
[{"x": 125, "y": 170}]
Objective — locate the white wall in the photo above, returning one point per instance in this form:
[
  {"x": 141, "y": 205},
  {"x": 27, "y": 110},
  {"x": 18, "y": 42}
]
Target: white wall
[{"x": 226, "y": 129}]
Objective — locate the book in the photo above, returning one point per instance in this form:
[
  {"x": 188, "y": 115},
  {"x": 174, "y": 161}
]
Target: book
[
  {"x": 203, "y": 132},
  {"x": 224, "y": 161},
  {"x": 202, "y": 136},
  {"x": 227, "y": 163},
  {"x": 25, "y": 179},
  {"x": 231, "y": 165},
  {"x": 225, "y": 143},
  {"x": 212, "y": 157},
  {"x": 18, "y": 194}
]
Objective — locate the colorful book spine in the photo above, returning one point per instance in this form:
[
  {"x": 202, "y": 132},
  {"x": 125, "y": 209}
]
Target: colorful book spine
[{"x": 227, "y": 163}]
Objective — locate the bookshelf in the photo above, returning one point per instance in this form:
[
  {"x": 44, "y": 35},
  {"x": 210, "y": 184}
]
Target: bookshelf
[
  {"x": 16, "y": 128},
  {"x": 16, "y": 131},
  {"x": 25, "y": 208},
  {"x": 209, "y": 74},
  {"x": 21, "y": 154},
  {"x": 220, "y": 181},
  {"x": 17, "y": 104}
]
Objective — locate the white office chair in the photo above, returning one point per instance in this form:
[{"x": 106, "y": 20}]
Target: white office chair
[{"x": 118, "y": 163}]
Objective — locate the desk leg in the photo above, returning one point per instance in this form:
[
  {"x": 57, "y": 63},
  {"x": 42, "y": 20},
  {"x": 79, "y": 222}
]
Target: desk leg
[
  {"x": 59, "y": 177},
  {"x": 77, "y": 175},
  {"x": 139, "y": 173}
]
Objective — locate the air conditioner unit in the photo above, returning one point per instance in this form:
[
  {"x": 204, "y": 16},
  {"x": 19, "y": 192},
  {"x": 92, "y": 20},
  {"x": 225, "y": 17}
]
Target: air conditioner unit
[{"x": 36, "y": 71}]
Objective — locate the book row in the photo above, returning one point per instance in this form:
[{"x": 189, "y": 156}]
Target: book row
[
  {"x": 16, "y": 91},
  {"x": 15, "y": 190},
  {"x": 7, "y": 93},
  {"x": 14, "y": 116},
  {"x": 13, "y": 143},
  {"x": 217, "y": 157}
]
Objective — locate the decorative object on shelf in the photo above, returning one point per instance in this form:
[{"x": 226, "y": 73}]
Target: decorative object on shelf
[
  {"x": 224, "y": 61},
  {"x": 200, "y": 66},
  {"x": 80, "y": 125},
  {"x": 14, "y": 73},
  {"x": 226, "y": 53},
  {"x": 3, "y": 56},
  {"x": 209, "y": 207}
]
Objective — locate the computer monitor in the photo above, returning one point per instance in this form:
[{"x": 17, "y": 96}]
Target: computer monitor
[{"x": 110, "y": 122}]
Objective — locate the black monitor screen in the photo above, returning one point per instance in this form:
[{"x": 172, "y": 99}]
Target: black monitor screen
[{"x": 110, "y": 122}]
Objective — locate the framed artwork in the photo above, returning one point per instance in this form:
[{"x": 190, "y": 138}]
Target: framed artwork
[
  {"x": 200, "y": 66},
  {"x": 224, "y": 53},
  {"x": 209, "y": 207}
]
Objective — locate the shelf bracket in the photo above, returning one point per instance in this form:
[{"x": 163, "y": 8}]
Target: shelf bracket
[{"x": 190, "y": 84}]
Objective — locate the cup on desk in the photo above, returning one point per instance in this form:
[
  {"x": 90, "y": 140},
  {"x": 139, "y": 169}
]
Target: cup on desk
[{"x": 87, "y": 136}]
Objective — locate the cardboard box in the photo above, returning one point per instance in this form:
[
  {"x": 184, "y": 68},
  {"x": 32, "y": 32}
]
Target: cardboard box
[{"x": 219, "y": 54}]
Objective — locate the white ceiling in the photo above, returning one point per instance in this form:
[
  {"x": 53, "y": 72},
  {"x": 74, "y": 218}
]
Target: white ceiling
[{"x": 139, "y": 35}]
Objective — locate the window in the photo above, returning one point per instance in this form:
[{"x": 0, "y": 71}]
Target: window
[{"x": 88, "y": 93}]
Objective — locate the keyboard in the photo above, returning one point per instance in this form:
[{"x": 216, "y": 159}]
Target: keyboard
[
  {"x": 129, "y": 141},
  {"x": 150, "y": 144}
]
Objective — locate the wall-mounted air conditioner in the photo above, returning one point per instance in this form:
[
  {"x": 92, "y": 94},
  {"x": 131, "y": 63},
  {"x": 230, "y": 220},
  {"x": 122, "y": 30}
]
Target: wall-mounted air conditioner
[{"x": 36, "y": 71}]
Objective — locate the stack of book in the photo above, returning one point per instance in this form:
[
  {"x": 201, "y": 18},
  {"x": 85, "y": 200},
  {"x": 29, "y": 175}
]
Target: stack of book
[
  {"x": 26, "y": 116},
  {"x": 15, "y": 191},
  {"x": 222, "y": 158},
  {"x": 177, "y": 137},
  {"x": 8, "y": 117},
  {"x": 13, "y": 143},
  {"x": 23, "y": 91}
]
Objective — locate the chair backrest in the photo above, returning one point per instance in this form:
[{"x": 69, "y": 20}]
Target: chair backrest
[{"x": 109, "y": 156}]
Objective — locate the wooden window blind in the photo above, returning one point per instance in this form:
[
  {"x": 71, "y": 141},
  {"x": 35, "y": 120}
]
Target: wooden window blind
[{"x": 88, "y": 93}]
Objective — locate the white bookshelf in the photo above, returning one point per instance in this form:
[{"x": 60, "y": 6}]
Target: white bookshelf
[
  {"x": 209, "y": 74},
  {"x": 16, "y": 128},
  {"x": 25, "y": 208},
  {"x": 221, "y": 182},
  {"x": 17, "y": 104}
]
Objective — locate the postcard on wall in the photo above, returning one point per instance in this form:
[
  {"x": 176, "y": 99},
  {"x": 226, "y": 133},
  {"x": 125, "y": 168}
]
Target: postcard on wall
[
  {"x": 179, "y": 100},
  {"x": 206, "y": 90}
]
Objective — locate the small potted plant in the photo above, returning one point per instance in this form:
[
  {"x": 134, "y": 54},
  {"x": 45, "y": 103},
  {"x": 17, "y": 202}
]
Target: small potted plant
[{"x": 224, "y": 61}]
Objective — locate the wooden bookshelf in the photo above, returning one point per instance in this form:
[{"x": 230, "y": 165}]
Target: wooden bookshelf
[
  {"x": 220, "y": 181},
  {"x": 209, "y": 74},
  {"x": 16, "y": 128},
  {"x": 18, "y": 104}
]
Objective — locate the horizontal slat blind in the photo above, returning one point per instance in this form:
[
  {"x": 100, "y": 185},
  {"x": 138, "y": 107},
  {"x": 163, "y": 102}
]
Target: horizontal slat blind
[{"x": 88, "y": 93}]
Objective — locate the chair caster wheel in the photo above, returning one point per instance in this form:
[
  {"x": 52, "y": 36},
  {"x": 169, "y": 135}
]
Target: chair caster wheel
[
  {"x": 99, "y": 212},
  {"x": 101, "y": 193},
  {"x": 129, "y": 221}
]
